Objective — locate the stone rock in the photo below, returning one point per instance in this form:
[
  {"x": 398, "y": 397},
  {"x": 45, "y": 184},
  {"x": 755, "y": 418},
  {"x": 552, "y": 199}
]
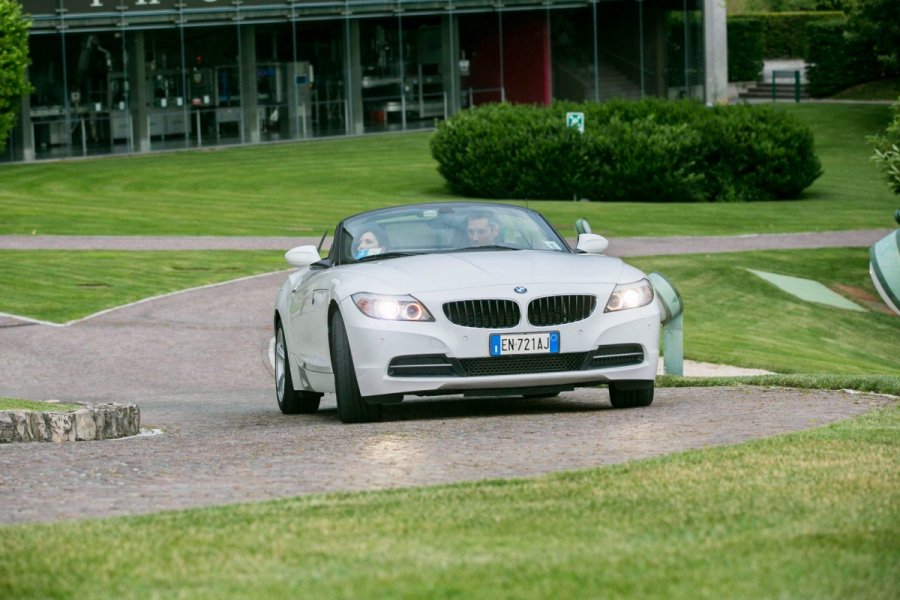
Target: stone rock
[
  {"x": 92, "y": 422},
  {"x": 85, "y": 426},
  {"x": 7, "y": 427},
  {"x": 61, "y": 426}
]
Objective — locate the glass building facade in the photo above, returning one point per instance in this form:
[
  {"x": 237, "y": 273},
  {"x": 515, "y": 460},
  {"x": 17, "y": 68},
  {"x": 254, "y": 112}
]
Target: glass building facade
[{"x": 126, "y": 76}]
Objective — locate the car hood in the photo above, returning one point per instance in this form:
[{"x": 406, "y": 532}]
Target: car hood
[{"x": 460, "y": 270}]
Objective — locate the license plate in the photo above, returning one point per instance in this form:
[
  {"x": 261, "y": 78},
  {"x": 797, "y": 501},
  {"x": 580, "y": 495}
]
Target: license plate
[{"x": 503, "y": 344}]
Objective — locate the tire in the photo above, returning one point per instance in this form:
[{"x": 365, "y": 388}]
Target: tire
[
  {"x": 625, "y": 395},
  {"x": 290, "y": 401},
  {"x": 352, "y": 407}
]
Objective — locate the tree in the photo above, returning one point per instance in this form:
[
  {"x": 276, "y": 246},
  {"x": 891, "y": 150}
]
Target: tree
[
  {"x": 13, "y": 64},
  {"x": 876, "y": 24}
]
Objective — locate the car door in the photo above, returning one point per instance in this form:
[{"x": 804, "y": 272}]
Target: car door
[{"x": 309, "y": 321}]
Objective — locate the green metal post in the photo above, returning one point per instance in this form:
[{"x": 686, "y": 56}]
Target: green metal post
[
  {"x": 797, "y": 86},
  {"x": 773, "y": 86},
  {"x": 672, "y": 339},
  {"x": 673, "y": 346}
]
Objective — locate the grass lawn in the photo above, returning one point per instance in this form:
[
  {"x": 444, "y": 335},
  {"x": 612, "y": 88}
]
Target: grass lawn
[
  {"x": 61, "y": 286},
  {"x": 807, "y": 515},
  {"x": 17, "y": 404},
  {"x": 884, "y": 89},
  {"x": 733, "y": 317},
  {"x": 305, "y": 188}
]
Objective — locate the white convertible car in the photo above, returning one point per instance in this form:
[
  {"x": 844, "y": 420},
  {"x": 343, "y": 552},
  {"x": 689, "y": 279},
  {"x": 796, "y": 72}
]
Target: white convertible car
[{"x": 460, "y": 298}]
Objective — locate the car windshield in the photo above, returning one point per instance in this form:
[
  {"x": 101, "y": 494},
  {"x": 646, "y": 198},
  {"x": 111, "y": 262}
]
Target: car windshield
[{"x": 435, "y": 228}]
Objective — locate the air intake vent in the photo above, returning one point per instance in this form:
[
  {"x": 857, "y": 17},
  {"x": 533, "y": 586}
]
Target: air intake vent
[
  {"x": 520, "y": 365},
  {"x": 486, "y": 314},
  {"x": 617, "y": 356},
  {"x": 424, "y": 365},
  {"x": 558, "y": 310}
]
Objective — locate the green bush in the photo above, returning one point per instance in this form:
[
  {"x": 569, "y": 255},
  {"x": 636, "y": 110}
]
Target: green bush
[
  {"x": 745, "y": 48},
  {"x": 650, "y": 151},
  {"x": 836, "y": 62},
  {"x": 887, "y": 149}
]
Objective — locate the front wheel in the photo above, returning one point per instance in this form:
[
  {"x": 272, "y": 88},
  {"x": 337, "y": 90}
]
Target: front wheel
[
  {"x": 628, "y": 394},
  {"x": 352, "y": 407},
  {"x": 290, "y": 401}
]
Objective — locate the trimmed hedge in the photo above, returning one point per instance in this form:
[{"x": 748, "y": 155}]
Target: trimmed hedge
[
  {"x": 753, "y": 37},
  {"x": 786, "y": 34},
  {"x": 746, "y": 48},
  {"x": 647, "y": 151}
]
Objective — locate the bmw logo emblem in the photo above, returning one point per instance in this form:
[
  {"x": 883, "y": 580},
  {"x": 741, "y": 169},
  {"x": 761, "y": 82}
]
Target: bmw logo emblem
[{"x": 520, "y": 290}]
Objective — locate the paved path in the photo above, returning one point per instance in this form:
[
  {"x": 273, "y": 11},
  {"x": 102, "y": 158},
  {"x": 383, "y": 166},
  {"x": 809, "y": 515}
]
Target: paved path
[
  {"x": 197, "y": 365},
  {"x": 624, "y": 246}
]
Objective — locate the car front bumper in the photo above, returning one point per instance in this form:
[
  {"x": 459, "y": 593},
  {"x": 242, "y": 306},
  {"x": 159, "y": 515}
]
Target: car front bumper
[{"x": 440, "y": 357}]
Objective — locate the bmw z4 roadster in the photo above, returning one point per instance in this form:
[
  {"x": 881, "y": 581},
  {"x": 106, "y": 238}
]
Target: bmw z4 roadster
[{"x": 460, "y": 298}]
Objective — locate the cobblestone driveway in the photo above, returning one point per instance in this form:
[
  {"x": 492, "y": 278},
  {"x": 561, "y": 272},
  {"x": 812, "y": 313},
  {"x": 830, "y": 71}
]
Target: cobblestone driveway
[{"x": 196, "y": 364}]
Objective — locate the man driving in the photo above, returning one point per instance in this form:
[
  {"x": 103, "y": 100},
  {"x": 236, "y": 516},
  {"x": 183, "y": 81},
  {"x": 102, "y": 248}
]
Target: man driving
[{"x": 483, "y": 229}]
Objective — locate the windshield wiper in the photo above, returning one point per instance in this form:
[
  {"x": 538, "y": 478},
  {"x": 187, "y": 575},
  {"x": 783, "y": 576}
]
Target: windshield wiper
[
  {"x": 372, "y": 257},
  {"x": 488, "y": 247}
]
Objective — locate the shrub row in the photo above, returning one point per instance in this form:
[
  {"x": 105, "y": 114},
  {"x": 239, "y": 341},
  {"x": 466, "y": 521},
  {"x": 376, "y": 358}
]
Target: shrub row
[
  {"x": 647, "y": 151},
  {"x": 753, "y": 37}
]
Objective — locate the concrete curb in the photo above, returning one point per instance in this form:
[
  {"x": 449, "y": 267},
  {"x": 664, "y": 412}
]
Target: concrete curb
[{"x": 92, "y": 422}]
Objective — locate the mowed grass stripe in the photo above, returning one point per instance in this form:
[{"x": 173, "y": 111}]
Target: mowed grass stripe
[{"x": 59, "y": 286}]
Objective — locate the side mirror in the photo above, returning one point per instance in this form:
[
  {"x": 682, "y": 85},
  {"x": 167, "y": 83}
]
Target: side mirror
[
  {"x": 582, "y": 226},
  {"x": 591, "y": 243},
  {"x": 302, "y": 256}
]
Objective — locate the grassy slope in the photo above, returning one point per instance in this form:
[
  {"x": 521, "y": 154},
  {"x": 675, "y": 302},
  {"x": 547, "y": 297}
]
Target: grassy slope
[
  {"x": 733, "y": 317},
  {"x": 809, "y": 515},
  {"x": 304, "y": 188},
  {"x": 60, "y": 286}
]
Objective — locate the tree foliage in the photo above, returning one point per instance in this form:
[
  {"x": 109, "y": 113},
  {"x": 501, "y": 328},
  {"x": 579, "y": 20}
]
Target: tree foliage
[
  {"x": 875, "y": 24},
  {"x": 13, "y": 63},
  {"x": 887, "y": 150}
]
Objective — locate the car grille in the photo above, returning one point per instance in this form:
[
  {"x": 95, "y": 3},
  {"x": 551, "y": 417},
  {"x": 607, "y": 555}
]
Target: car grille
[
  {"x": 558, "y": 310},
  {"x": 486, "y": 314},
  {"x": 521, "y": 365}
]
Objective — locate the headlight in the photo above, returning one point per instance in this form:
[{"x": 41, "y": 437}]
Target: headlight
[
  {"x": 630, "y": 295},
  {"x": 392, "y": 308}
]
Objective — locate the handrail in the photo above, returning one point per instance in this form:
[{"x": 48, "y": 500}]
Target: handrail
[
  {"x": 560, "y": 68},
  {"x": 624, "y": 61},
  {"x": 795, "y": 73}
]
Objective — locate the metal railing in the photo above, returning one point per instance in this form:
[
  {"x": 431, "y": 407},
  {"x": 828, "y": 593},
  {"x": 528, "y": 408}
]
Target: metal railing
[{"x": 795, "y": 74}]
